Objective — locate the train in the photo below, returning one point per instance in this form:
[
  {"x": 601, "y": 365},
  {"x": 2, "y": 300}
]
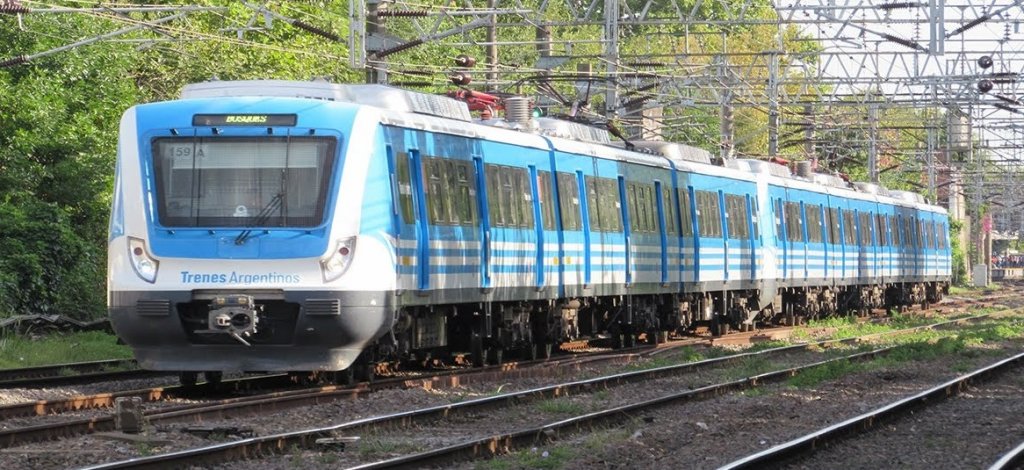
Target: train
[{"x": 273, "y": 225}]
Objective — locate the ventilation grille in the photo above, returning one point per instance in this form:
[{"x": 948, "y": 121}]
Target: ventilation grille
[
  {"x": 153, "y": 308},
  {"x": 323, "y": 307}
]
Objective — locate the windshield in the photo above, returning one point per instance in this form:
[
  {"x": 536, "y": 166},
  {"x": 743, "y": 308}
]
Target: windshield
[{"x": 242, "y": 182}]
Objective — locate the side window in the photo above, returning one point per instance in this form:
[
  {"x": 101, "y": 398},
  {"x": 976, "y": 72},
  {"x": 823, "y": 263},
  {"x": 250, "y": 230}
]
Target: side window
[
  {"x": 751, "y": 205},
  {"x": 865, "y": 229},
  {"x": 405, "y": 204},
  {"x": 546, "y": 200},
  {"x": 780, "y": 216},
  {"x": 436, "y": 190},
  {"x": 669, "y": 208},
  {"x": 881, "y": 235},
  {"x": 684, "y": 211},
  {"x": 465, "y": 194},
  {"x": 894, "y": 224},
  {"x": 611, "y": 207},
  {"x": 849, "y": 227},
  {"x": 794, "y": 222},
  {"x": 833, "y": 226},
  {"x": 814, "y": 232},
  {"x": 709, "y": 214},
  {"x": 522, "y": 197},
  {"x": 736, "y": 211},
  {"x": 569, "y": 203},
  {"x": 495, "y": 204},
  {"x": 593, "y": 204},
  {"x": 636, "y": 222}
]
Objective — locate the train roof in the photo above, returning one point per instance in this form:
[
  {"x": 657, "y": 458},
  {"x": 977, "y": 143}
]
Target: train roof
[{"x": 450, "y": 116}]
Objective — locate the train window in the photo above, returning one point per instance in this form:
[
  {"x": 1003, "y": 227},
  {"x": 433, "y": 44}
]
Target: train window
[
  {"x": 736, "y": 211},
  {"x": 942, "y": 236},
  {"x": 849, "y": 228},
  {"x": 832, "y": 221},
  {"x": 635, "y": 221},
  {"x": 794, "y": 222},
  {"x": 611, "y": 205},
  {"x": 436, "y": 191},
  {"x": 865, "y": 229},
  {"x": 882, "y": 231},
  {"x": 569, "y": 201},
  {"x": 752, "y": 206},
  {"x": 670, "y": 211},
  {"x": 522, "y": 198},
  {"x": 405, "y": 195},
  {"x": 494, "y": 195},
  {"x": 908, "y": 233},
  {"x": 546, "y": 200},
  {"x": 780, "y": 215},
  {"x": 894, "y": 230},
  {"x": 451, "y": 191},
  {"x": 814, "y": 232},
  {"x": 709, "y": 214},
  {"x": 684, "y": 212},
  {"x": 922, "y": 236},
  {"x": 649, "y": 208},
  {"x": 464, "y": 193},
  {"x": 593, "y": 204}
]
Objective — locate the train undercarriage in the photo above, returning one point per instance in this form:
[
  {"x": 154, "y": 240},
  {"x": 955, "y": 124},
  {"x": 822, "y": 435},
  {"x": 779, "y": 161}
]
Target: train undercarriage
[{"x": 487, "y": 333}]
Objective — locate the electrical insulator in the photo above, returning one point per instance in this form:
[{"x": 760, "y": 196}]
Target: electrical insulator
[
  {"x": 461, "y": 79},
  {"x": 984, "y": 61},
  {"x": 465, "y": 61}
]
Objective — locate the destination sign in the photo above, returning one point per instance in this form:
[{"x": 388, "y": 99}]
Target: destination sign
[{"x": 244, "y": 119}]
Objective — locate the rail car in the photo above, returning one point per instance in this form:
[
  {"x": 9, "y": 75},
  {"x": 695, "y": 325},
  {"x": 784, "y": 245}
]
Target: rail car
[{"x": 308, "y": 226}]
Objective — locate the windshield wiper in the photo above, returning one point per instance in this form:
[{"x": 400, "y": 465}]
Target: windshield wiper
[{"x": 273, "y": 205}]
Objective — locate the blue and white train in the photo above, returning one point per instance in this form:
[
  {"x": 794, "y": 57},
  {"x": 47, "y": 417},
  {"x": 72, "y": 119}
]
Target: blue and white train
[{"x": 308, "y": 226}]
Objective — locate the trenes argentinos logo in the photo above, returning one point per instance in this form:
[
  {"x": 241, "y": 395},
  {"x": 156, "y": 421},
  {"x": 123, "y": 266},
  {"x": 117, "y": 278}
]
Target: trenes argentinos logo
[{"x": 188, "y": 277}]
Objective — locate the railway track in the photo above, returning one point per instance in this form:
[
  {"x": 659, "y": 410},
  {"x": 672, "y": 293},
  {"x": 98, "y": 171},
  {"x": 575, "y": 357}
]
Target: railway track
[
  {"x": 822, "y": 440},
  {"x": 74, "y": 373},
  {"x": 500, "y": 443}
]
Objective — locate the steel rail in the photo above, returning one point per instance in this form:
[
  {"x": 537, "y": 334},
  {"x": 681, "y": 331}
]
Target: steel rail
[
  {"x": 59, "y": 369},
  {"x": 1012, "y": 459},
  {"x": 807, "y": 444},
  {"x": 277, "y": 443}
]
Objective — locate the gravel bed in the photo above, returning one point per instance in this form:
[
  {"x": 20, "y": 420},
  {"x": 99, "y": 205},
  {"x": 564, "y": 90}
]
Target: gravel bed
[
  {"x": 705, "y": 425},
  {"x": 971, "y": 430}
]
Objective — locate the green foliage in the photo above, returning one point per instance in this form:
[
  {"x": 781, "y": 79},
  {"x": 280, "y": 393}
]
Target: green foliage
[
  {"x": 959, "y": 257},
  {"x": 19, "y": 351},
  {"x": 560, "y": 407},
  {"x": 824, "y": 373}
]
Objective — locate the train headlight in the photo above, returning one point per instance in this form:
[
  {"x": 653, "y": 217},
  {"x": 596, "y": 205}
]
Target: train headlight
[
  {"x": 145, "y": 266},
  {"x": 337, "y": 262}
]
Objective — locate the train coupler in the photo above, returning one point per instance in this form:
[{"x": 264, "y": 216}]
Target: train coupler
[{"x": 234, "y": 315}]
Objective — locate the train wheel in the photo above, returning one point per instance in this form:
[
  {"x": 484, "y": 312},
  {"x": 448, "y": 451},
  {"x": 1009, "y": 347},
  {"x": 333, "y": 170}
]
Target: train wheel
[
  {"x": 188, "y": 379},
  {"x": 213, "y": 378}
]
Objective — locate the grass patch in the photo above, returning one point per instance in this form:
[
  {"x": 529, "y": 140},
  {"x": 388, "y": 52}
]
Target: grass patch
[
  {"x": 560, "y": 407},
  {"x": 381, "y": 445},
  {"x": 827, "y": 372},
  {"x": 750, "y": 367},
  {"x": 20, "y": 351},
  {"x": 558, "y": 456},
  {"x": 535, "y": 458}
]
